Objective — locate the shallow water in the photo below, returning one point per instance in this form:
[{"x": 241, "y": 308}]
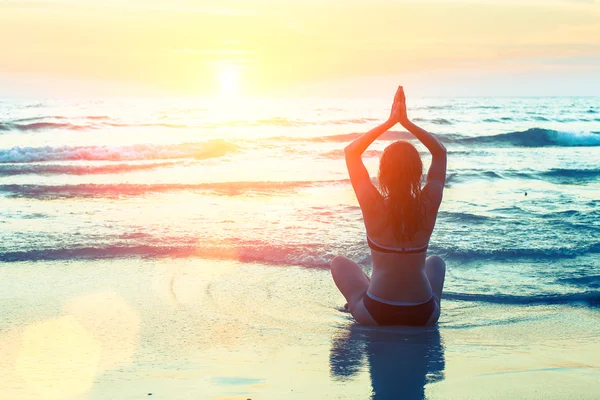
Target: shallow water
[
  {"x": 191, "y": 328},
  {"x": 265, "y": 181}
]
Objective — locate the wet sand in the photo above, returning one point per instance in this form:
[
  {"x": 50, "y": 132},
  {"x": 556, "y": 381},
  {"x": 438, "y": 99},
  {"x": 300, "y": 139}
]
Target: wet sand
[{"x": 198, "y": 329}]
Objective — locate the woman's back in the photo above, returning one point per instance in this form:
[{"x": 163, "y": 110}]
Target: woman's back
[{"x": 398, "y": 265}]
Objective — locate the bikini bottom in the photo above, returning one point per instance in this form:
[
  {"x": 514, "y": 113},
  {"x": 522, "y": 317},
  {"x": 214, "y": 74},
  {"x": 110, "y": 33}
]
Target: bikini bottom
[{"x": 392, "y": 314}]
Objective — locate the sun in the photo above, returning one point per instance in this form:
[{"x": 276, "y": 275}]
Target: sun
[{"x": 229, "y": 78}]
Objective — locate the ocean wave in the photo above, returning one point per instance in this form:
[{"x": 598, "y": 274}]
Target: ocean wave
[
  {"x": 352, "y": 121},
  {"x": 470, "y": 175},
  {"x": 50, "y": 192},
  {"x": 347, "y": 137},
  {"x": 436, "y": 121},
  {"x": 303, "y": 255},
  {"x": 35, "y": 126},
  {"x": 570, "y": 216},
  {"x": 148, "y": 125},
  {"x": 94, "y": 122},
  {"x": 277, "y": 121},
  {"x": 98, "y": 117},
  {"x": 285, "y": 122},
  {"x": 306, "y": 255},
  {"x": 339, "y": 154},
  {"x": 53, "y": 169},
  {"x": 539, "y": 118},
  {"x": 557, "y": 175},
  {"x": 512, "y": 254},
  {"x": 299, "y": 255},
  {"x": 199, "y": 151},
  {"x": 444, "y": 107},
  {"x": 89, "y": 253},
  {"x": 99, "y": 122},
  {"x": 591, "y": 298},
  {"x": 589, "y": 281},
  {"x": 534, "y": 137},
  {"x": 485, "y": 108},
  {"x": 44, "y": 118},
  {"x": 40, "y": 118},
  {"x": 463, "y": 217},
  {"x": 554, "y": 175},
  {"x": 310, "y": 254},
  {"x": 563, "y": 175}
]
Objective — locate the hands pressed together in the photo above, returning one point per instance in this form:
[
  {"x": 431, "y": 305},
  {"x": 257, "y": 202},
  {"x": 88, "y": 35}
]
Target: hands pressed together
[{"x": 398, "y": 114}]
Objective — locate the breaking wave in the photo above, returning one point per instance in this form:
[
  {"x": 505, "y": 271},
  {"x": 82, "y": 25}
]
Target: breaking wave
[
  {"x": 534, "y": 137},
  {"x": 49, "y": 192},
  {"x": 436, "y": 121},
  {"x": 199, "y": 151},
  {"x": 591, "y": 298},
  {"x": 55, "y": 169},
  {"x": 35, "y": 126},
  {"x": 309, "y": 254}
]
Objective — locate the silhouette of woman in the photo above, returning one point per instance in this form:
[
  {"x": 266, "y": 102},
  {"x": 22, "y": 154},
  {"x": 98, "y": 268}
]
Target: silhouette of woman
[{"x": 405, "y": 287}]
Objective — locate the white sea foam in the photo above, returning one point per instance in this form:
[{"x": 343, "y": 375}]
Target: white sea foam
[{"x": 202, "y": 150}]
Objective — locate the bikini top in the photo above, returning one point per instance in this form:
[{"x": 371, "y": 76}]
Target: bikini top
[{"x": 396, "y": 250}]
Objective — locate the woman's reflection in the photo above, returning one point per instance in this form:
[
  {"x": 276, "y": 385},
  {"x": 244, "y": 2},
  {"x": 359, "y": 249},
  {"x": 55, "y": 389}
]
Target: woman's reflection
[{"x": 401, "y": 360}]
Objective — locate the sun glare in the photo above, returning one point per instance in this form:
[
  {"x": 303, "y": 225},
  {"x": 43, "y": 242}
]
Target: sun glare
[{"x": 229, "y": 77}]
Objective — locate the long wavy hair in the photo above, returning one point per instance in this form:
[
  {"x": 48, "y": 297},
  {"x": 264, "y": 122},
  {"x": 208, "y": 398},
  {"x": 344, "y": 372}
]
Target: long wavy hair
[{"x": 400, "y": 179}]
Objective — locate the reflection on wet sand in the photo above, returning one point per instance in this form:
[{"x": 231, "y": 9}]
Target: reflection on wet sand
[{"x": 401, "y": 360}]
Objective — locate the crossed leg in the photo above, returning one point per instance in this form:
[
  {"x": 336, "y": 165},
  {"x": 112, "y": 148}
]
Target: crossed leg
[
  {"x": 353, "y": 284},
  {"x": 435, "y": 269}
]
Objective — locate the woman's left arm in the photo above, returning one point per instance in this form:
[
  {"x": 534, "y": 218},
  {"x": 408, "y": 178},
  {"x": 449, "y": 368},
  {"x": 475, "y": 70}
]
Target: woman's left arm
[
  {"x": 359, "y": 145},
  {"x": 366, "y": 193},
  {"x": 368, "y": 196}
]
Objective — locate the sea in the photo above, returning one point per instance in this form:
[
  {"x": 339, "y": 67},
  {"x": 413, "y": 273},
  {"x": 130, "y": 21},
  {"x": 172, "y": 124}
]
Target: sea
[{"x": 264, "y": 181}]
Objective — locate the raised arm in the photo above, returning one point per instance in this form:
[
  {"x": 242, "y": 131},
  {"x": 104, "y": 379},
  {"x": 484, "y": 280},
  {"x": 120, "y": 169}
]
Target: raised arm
[
  {"x": 437, "y": 170},
  {"x": 368, "y": 196},
  {"x": 359, "y": 145}
]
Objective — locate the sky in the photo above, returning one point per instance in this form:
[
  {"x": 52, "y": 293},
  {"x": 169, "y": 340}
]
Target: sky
[{"x": 298, "y": 47}]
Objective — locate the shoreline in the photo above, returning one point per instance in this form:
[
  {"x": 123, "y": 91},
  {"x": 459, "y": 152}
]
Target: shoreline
[{"x": 183, "y": 329}]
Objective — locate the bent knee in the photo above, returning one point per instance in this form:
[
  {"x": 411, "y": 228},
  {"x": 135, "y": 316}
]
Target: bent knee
[
  {"x": 337, "y": 262},
  {"x": 436, "y": 261}
]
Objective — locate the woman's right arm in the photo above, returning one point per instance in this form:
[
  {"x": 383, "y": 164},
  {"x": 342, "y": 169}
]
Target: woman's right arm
[{"x": 437, "y": 170}]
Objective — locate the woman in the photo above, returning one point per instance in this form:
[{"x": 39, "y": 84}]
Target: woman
[{"x": 405, "y": 287}]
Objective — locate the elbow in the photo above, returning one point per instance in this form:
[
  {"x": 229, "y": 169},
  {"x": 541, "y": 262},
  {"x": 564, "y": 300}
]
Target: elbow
[
  {"x": 348, "y": 150},
  {"x": 441, "y": 150},
  {"x": 353, "y": 150},
  {"x": 439, "y": 154}
]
